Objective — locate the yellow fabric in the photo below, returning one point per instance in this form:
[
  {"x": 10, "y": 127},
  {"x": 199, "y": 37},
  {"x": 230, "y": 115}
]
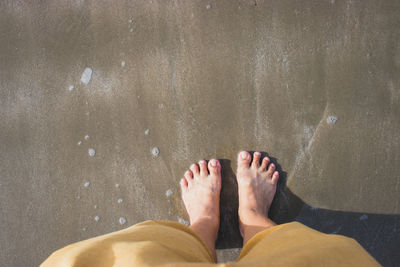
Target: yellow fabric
[{"x": 165, "y": 243}]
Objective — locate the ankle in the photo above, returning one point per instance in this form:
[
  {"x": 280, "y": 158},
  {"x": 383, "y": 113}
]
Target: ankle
[
  {"x": 209, "y": 221},
  {"x": 207, "y": 229},
  {"x": 251, "y": 215},
  {"x": 251, "y": 223}
]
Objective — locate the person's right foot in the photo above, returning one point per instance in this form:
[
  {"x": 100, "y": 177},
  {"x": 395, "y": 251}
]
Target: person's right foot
[{"x": 257, "y": 186}]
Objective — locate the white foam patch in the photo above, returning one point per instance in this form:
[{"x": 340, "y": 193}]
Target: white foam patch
[
  {"x": 147, "y": 132},
  {"x": 71, "y": 87},
  {"x": 123, "y": 63},
  {"x": 87, "y": 137},
  {"x": 155, "y": 151},
  {"x": 117, "y": 185},
  {"x": 92, "y": 152},
  {"x": 183, "y": 221},
  {"x": 86, "y": 76},
  {"x": 87, "y": 184},
  {"x": 97, "y": 218},
  {"x": 122, "y": 220},
  {"x": 331, "y": 119},
  {"x": 79, "y": 143},
  {"x": 168, "y": 193},
  {"x": 120, "y": 201}
]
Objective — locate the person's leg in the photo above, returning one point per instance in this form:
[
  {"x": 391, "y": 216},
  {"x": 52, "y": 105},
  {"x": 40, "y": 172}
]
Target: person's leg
[
  {"x": 201, "y": 188},
  {"x": 257, "y": 186},
  {"x": 290, "y": 244},
  {"x": 155, "y": 243}
]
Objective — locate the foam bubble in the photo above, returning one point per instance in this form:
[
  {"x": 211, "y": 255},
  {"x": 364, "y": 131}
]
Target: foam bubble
[
  {"x": 87, "y": 184},
  {"x": 130, "y": 21},
  {"x": 122, "y": 220},
  {"x": 155, "y": 151},
  {"x": 331, "y": 119},
  {"x": 97, "y": 218},
  {"x": 168, "y": 193},
  {"x": 92, "y": 152},
  {"x": 208, "y": 6},
  {"x": 87, "y": 137},
  {"x": 120, "y": 200},
  {"x": 183, "y": 221},
  {"x": 86, "y": 75},
  {"x": 117, "y": 185},
  {"x": 79, "y": 143},
  {"x": 147, "y": 132},
  {"x": 123, "y": 63},
  {"x": 71, "y": 87}
]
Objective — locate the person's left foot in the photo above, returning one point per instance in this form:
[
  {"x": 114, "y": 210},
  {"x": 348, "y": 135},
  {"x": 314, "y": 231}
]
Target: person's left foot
[{"x": 201, "y": 188}]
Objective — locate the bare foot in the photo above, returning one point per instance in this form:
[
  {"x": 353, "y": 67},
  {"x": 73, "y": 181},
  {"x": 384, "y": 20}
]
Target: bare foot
[
  {"x": 257, "y": 186},
  {"x": 200, "y": 193}
]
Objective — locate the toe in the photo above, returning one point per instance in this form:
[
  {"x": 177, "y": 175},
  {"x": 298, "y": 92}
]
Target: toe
[
  {"x": 203, "y": 167},
  {"x": 244, "y": 159},
  {"x": 264, "y": 164},
  {"x": 271, "y": 169},
  {"x": 189, "y": 176},
  {"x": 256, "y": 159},
  {"x": 275, "y": 177},
  {"x": 213, "y": 166},
  {"x": 195, "y": 169},
  {"x": 184, "y": 183}
]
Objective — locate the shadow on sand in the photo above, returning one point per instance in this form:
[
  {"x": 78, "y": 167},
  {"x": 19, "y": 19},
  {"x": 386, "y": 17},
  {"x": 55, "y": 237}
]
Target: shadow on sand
[{"x": 378, "y": 234}]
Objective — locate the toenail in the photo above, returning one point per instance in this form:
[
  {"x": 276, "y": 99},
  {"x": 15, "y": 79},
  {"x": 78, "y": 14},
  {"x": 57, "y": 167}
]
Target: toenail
[
  {"x": 243, "y": 155},
  {"x": 214, "y": 163},
  {"x": 257, "y": 153}
]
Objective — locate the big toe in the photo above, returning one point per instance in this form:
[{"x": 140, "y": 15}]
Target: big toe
[
  {"x": 214, "y": 167},
  {"x": 244, "y": 159}
]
